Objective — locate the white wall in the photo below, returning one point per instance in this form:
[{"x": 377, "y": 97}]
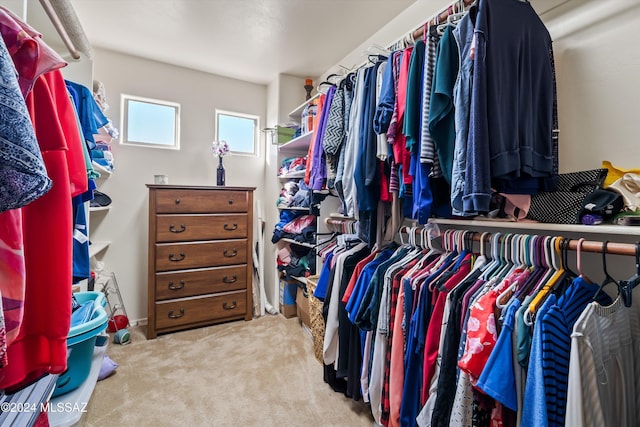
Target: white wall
[
  {"x": 284, "y": 94},
  {"x": 598, "y": 64},
  {"x": 199, "y": 95}
]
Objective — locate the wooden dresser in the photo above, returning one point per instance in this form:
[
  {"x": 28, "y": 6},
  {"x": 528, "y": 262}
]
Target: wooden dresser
[{"x": 200, "y": 265}]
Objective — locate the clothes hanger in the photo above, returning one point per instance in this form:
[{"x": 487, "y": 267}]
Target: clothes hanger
[
  {"x": 502, "y": 301},
  {"x": 626, "y": 286},
  {"x": 544, "y": 292},
  {"x": 493, "y": 248},
  {"x": 579, "y": 260},
  {"x": 534, "y": 258},
  {"x": 565, "y": 256},
  {"x": 607, "y": 278}
]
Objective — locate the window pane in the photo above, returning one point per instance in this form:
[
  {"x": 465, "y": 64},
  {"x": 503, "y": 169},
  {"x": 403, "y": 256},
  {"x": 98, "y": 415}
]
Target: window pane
[
  {"x": 150, "y": 122},
  {"x": 239, "y": 132}
]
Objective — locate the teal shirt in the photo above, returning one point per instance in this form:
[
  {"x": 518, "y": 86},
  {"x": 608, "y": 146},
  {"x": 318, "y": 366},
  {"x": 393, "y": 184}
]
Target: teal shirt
[
  {"x": 441, "y": 109},
  {"x": 413, "y": 107}
]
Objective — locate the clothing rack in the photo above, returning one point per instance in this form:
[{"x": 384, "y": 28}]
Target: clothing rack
[
  {"x": 414, "y": 35},
  {"x": 439, "y": 17},
  {"x": 341, "y": 225},
  {"x": 613, "y": 248}
]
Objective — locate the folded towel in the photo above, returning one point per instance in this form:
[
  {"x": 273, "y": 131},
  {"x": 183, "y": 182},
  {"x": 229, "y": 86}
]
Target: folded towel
[{"x": 82, "y": 314}]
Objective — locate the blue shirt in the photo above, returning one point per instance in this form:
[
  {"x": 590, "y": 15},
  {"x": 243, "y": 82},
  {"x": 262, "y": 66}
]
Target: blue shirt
[
  {"x": 498, "y": 378},
  {"x": 362, "y": 284},
  {"x": 557, "y": 326},
  {"x": 323, "y": 279},
  {"x": 534, "y": 411}
]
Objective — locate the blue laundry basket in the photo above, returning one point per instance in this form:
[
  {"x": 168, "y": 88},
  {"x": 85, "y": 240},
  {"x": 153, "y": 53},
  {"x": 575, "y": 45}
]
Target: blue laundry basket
[{"x": 81, "y": 341}]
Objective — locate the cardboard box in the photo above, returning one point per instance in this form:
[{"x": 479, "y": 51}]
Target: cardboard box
[
  {"x": 288, "y": 310},
  {"x": 288, "y": 298},
  {"x": 288, "y": 292},
  {"x": 302, "y": 305}
]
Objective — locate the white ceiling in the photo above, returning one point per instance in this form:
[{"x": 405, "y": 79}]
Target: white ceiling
[{"x": 252, "y": 40}]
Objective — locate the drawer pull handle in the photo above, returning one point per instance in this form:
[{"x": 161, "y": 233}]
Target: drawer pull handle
[
  {"x": 173, "y": 229},
  {"x": 177, "y": 201},
  {"x": 229, "y": 307},
  {"x": 182, "y": 256},
  {"x": 230, "y": 201},
  {"x": 234, "y": 227},
  {"x": 233, "y": 279},
  {"x": 230, "y": 254},
  {"x": 175, "y": 287},
  {"x": 176, "y": 316}
]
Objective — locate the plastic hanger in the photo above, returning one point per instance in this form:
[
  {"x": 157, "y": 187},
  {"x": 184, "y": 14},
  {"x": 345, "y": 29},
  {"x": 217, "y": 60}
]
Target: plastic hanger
[
  {"x": 493, "y": 248},
  {"x": 626, "y": 286},
  {"x": 607, "y": 278},
  {"x": 559, "y": 271},
  {"x": 579, "y": 260}
]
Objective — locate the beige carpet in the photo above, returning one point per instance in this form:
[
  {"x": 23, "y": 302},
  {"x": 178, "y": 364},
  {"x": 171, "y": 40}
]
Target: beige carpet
[{"x": 257, "y": 373}]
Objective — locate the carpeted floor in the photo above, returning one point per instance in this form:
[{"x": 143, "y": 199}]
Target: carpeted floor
[{"x": 257, "y": 373}]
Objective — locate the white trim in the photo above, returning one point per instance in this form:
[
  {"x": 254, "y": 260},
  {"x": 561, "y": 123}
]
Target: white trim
[
  {"x": 256, "y": 131},
  {"x": 124, "y": 98}
]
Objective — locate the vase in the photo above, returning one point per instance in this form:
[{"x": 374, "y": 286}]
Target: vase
[{"x": 220, "y": 178}]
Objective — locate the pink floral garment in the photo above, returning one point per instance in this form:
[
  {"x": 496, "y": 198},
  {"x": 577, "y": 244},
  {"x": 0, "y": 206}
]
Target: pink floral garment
[
  {"x": 12, "y": 279},
  {"x": 482, "y": 333}
]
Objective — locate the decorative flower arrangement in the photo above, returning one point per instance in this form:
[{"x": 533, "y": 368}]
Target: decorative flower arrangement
[{"x": 220, "y": 148}]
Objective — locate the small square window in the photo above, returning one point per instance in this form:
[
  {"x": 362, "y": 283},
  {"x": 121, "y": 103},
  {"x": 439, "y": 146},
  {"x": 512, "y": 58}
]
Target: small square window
[
  {"x": 239, "y": 130},
  {"x": 150, "y": 122}
]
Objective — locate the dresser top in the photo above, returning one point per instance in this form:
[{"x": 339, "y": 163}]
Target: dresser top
[{"x": 198, "y": 187}]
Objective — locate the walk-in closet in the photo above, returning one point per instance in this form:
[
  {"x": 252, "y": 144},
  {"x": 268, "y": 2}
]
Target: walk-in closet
[{"x": 340, "y": 213}]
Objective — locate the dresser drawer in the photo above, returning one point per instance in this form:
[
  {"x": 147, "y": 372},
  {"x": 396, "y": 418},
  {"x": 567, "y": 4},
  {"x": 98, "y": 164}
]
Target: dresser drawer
[
  {"x": 176, "y": 228},
  {"x": 201, "y": 201},
  {"x": 200, "y": 309},
  {"x": 181, "y": 256},
  {"x": 201, "y": 281}
]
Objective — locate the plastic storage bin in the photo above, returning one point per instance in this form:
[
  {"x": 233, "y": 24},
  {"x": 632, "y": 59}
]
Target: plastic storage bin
[{"x": 80, "y": 344}]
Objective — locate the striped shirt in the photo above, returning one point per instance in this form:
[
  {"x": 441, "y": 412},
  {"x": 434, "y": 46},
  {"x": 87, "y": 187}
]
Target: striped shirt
[
  {"x": 557, "y": 325},
  {"x": 427, "y": 145}
]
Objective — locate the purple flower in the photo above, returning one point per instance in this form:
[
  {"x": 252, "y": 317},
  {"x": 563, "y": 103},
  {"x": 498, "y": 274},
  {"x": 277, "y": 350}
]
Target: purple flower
[{"x": 220, "y": 148}]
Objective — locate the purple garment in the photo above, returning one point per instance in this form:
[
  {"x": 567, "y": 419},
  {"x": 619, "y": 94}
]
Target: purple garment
[{"x": 319, "y": 169}]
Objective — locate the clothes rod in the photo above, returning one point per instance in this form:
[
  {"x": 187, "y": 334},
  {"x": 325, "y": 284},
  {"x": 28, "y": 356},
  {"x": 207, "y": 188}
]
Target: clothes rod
[
  {"x": 57, "y": 24},
  {"x": 614, "y": 248},
  {"x": 440, "y": 17}
]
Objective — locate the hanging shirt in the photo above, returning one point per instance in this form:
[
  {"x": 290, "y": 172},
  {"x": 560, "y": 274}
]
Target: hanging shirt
[
  {"x": 427, "y": 145},
  {"x": 23, "y": 177},
  {"x": 41, "y": 344},
  {"x": 330, "y": 343},
  {"x": 311, "y": 149},
  {"x": 557, "y": 325},
  {"x": 413, "y": 105},
  {"x": 31, "y": 55},
  {"x": 463, "y": 34},
  {"x": 334, "y": 135},
  {"x": 400, "y": 152},
  {"x": 366, "y": 171},
  {"x": 441, "y": 109},
  {"x": 351, "y": 148},
  {"x": 534, "y": 411},
  {"x": 509, "y": 138},
  {"x": 447, "y": 378},
  {"x": 604, "y": 369},
  {"x": 498, "y": 378},
  {"x": 89, "y": 113},
  {"x": 386, "y": 102},
  {"x": 319, "y": 165}
]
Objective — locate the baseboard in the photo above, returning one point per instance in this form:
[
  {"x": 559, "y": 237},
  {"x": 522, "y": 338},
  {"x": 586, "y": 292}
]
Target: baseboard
[{"x": 139, "y": 322}]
